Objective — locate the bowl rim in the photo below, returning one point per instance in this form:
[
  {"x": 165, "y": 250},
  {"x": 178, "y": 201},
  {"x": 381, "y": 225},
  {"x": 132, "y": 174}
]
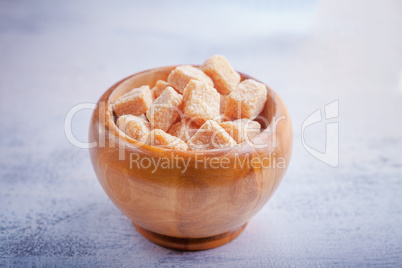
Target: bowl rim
[{"x": 131, "y": 144}]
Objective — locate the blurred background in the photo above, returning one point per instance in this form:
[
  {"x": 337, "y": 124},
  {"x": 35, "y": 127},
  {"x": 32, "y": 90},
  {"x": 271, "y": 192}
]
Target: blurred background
[{"x": 55, "y": 55}]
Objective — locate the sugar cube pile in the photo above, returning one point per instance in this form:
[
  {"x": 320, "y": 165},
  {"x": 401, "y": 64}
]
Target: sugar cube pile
[{"x": 202, "y": 108}]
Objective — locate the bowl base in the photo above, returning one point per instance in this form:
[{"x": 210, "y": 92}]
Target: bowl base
[{"x": 190, "y": 243}]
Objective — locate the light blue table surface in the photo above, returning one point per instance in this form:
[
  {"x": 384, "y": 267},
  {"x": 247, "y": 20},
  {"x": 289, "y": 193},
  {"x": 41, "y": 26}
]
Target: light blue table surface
[{"x": 55, "y": 55}]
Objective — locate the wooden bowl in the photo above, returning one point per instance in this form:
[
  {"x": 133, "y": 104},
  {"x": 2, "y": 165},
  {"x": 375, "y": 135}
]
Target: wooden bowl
[{"x": 203, "y": 205}]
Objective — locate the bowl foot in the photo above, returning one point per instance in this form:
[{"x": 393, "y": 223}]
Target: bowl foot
[{"x": 190, "y": 243}]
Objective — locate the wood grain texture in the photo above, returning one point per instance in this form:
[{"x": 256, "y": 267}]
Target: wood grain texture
[
  {"x": 191, "y": 244},
  {"x": 198, "y": 201}
]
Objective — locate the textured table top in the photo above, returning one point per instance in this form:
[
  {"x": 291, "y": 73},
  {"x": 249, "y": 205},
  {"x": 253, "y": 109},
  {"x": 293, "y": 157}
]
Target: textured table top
[{"x": 53, "y": 211}]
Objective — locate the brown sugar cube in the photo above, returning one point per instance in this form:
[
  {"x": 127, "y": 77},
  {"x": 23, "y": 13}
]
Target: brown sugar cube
[
  {"x": 241, "y": 129},
  {"x": 165, "y": 109},
  {"x": 134, "y": 126},
  {"x": 159, "y": 88},
  {"x": 160, "y": 138},
  {"x": 247, "y": 100},
  {"x": 201, "y": 102},
  {"x": 184, "y": 129},
  {"x": 180, "y": 77},
  {"x": 135, "y": 102},
  {"x": 211, "y": 136},
  {"x": 222, "y": 73}
]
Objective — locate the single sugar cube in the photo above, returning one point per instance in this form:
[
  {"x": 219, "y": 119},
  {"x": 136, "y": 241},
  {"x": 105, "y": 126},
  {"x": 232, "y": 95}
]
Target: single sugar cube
[
  {"x": 211, "y": 136},
  {"x": 165, "y": 109},
  {"x": 134, "y": 126},
  {"x": 184, "y": 129},
  {"x": 160, "y": 138},
  {"x": 180, "y": 77},
  {"x": 160, "y": 86},
  {"x": 222, "y": 73},
  {"x": 247, "y": 100},
  {"x": 201, "y": 102},
  {"x": 241, "y": 129},
  {"x": 135, "y": 102}
]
